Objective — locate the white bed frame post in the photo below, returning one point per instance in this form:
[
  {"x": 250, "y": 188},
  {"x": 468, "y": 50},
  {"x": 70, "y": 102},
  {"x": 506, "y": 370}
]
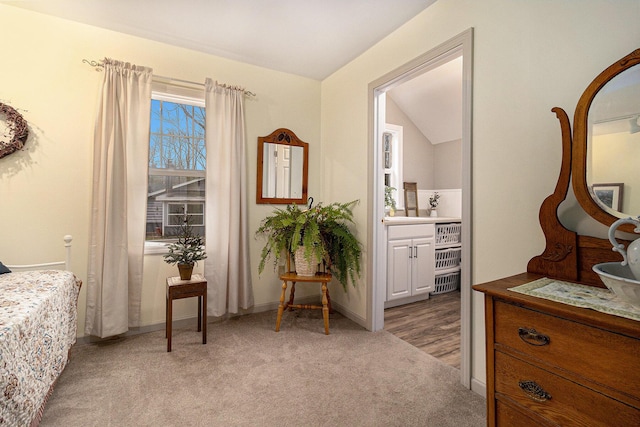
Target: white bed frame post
[{"x": 67, "y": 248}]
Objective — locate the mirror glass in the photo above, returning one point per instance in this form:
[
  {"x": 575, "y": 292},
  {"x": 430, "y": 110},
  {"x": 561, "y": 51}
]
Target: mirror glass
[
  {"x": 613, "y": 145},
  {"x": 282, "y": 171},
  {"x": 282, "y": 168}
]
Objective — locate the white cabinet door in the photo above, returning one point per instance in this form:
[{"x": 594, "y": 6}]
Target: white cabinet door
[
  {"x": 399, "y": 268},
  {"x": 423, "y": 260}
]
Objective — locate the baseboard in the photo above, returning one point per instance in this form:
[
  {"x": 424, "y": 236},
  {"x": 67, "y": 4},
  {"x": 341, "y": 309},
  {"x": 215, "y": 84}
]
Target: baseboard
[
  {"x": 349, "y": 314},
  {"x": 188, "y": 321},
  {"x": 479, "y": 387}
]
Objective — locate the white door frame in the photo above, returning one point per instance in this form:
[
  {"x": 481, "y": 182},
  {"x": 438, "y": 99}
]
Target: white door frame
[{"x": 376, "y": 268}]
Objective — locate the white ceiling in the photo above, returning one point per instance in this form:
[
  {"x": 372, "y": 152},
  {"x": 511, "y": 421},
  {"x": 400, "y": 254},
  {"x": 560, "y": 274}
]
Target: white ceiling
[
  {"x": 433, "y": 101},
  {"x": 311, "y": 38}
]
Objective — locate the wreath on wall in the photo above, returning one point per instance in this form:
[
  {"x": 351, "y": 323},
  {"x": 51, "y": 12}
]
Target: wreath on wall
[{"x": 16, "y": 130}]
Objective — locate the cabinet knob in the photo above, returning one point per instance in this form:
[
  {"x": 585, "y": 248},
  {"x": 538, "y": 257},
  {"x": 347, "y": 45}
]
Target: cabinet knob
[
  {"x": 533, "y": 337},
  {"x": 534, "y": 391}
]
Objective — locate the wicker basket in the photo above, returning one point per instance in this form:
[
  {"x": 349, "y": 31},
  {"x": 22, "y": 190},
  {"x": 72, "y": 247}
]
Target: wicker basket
[
  {"x": 447, "y": 282},
  {"x": 448, "y": 233},
  {"x": 304, "y": 267},
  {"x": 448, "y": 258}
]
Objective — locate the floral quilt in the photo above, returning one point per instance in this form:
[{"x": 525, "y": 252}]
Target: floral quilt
[{"x": 38, "y": 322}]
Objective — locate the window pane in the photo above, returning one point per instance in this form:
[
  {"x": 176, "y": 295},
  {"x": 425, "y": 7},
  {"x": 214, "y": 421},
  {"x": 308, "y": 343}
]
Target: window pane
[
  {"x": 195, "y": 209},
  {"x": 176, "y": 149},
  {"x": 176, "y": 209}
]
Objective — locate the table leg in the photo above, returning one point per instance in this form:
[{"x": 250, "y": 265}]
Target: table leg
[
  {"x": 281, "y": 305},
  {"x": 204, "y": 317},
  {"x": 169, "y": 321},
  {"x": 325, "y": 308},
  {"x": 199, "y": 314}
]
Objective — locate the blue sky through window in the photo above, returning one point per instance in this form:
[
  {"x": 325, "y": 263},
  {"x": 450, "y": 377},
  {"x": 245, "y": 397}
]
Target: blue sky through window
[{"x": 177, "y": 136}]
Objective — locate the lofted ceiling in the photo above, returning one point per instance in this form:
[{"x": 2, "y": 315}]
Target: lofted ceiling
[
  {"x": 311, "y": 38},
  {"x": 433, "y": 101}
]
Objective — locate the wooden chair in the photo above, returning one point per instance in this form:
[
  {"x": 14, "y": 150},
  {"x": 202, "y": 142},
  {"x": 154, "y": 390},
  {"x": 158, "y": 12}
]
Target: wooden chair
[{"x": 293, "y": 277}]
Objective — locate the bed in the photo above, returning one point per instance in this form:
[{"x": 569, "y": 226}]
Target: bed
[{"x": 38, "y": 323}]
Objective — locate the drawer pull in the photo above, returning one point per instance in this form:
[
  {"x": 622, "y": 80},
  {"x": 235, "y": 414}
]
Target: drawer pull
[
  {"x": 532, "y": 337},
  {"x": 534, "y": 391}
]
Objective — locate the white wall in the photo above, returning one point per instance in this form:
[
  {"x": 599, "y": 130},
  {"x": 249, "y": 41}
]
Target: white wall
[
  {"x": 447, "y": 167},
  {"x": 528, "y": 58},
  {"x": 45, "y": 189},
  {"x": 417, "y": 151}
]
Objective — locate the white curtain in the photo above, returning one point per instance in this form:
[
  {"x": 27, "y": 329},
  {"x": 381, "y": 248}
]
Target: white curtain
[
  {"x": 118, "y": 210},
  {"x": 227, "y": 266}
]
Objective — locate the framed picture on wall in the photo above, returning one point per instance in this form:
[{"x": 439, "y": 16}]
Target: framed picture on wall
[{"x": 609, "y": 195}]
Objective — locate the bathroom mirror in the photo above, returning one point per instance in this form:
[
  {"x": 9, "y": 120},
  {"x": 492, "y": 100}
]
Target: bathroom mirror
[
  {"x": 606, "y": 143},
  {"x": 282, "y": 172}
]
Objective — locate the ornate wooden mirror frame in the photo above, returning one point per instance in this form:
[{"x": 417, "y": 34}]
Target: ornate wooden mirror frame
[
  {"x": 284, "y": 139},
  {"x": 580, "y": 132},
  {"x": 568, "y": 255}
]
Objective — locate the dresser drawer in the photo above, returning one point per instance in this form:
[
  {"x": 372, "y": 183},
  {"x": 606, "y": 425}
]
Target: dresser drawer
[
  {"x": 557, "y": 399},
  {"x": 606, "y": 358},
  {"x": 508, "y": 416}
]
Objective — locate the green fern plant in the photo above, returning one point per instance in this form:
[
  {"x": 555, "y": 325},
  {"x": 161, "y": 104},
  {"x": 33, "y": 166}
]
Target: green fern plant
[{"x": 323, "y": 231}]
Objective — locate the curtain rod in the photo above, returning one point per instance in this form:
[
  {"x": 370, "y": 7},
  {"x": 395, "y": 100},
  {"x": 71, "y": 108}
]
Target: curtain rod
[{"x": 99, "y": 66}]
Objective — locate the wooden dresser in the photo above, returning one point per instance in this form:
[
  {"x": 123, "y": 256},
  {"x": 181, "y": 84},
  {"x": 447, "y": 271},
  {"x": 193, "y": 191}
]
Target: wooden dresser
[{"x": 552, "y": 364}]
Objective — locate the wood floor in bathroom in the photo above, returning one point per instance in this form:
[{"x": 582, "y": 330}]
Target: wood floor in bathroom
[{"x": 432, "y": 325}]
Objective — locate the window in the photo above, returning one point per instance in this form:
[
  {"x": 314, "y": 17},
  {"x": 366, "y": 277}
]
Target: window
[
  {"x": 392, "y": 142},
  {"x": 177, "y": 164}
]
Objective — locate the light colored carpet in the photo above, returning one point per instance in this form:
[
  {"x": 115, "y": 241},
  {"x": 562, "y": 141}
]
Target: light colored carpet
[{"x": 249, "y": 375}]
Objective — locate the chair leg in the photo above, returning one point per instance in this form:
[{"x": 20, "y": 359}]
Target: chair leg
[
  {"x": 325, "y": 309},
  {"x": 281, "y": 306},
  {"x": 292, "y": 292}
]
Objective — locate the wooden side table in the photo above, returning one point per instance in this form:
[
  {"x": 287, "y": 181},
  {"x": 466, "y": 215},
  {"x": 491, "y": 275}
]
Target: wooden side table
[
  {"x": 322, "y": 278},
  {"x": 176, "y": 289}
]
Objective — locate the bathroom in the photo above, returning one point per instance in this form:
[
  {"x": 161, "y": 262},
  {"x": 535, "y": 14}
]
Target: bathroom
[{"x": 422, "y": 144}]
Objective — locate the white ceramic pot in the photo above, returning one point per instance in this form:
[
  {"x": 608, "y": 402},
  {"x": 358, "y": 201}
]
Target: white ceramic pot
[{"x": 631, "y": 256}]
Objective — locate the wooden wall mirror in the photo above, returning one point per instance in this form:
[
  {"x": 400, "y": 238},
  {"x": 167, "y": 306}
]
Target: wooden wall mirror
[
  {"x": 607, "y": 113},
  {"x": 283, "y": 164}
]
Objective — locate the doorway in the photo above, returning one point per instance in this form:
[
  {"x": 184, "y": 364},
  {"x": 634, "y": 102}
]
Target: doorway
[{"x": 459, "y": 46}]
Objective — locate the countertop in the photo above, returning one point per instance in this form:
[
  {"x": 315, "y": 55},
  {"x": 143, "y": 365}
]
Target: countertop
[{"x": 397, "y": 220}]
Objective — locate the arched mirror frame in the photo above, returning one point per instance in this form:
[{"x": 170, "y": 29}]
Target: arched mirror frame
[
  {"x": 282, "y": 136},
  {"x": 567, "y": 254},
  {"x": 580, "y": 143}
]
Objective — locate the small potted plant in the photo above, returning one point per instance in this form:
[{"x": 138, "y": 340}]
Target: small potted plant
[
  {"x": 319, "y": 234},
  {"x": 433, "y": 203},
  {"x": 187, "y": 251},
  {"x": 389, "y": 200}
]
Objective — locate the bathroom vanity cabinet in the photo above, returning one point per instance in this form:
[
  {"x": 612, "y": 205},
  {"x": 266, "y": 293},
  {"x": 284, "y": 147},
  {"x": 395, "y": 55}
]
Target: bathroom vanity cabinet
[
  {"x": 410, "y": 260},
  {"x": 423, "y": 258}
]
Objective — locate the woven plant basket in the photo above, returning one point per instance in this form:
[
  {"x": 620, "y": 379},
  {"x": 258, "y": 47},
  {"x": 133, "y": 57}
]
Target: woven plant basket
[{"x": 304, "y": 267}]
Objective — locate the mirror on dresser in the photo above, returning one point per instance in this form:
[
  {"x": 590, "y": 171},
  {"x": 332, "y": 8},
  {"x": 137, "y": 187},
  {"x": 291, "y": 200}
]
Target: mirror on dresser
[
  {"x": 612, "y": 98},
  {"x": 283, "y": 163},
  {"x": 606, "y": 136}
]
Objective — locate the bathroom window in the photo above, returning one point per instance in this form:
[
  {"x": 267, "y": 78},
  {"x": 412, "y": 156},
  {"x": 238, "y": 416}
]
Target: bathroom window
[{"x": 392, "y": 160}]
